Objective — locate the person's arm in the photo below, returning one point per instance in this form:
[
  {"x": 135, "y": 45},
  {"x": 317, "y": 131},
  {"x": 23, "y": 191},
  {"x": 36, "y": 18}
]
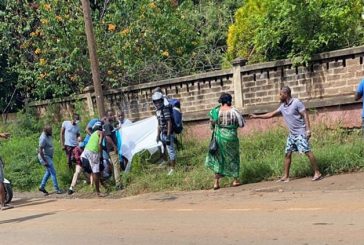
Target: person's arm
[
  {"x": 158, "y": 134},
  {"x": 266, "y": 115},
  {"x": 41, "y": 152},
  {"x": 62, "y": 137},
  {"x": 169, "y": 127},
  {"x": 88, "y": 130},
  {"x": 305, "y": 116},
  {"x": 359, "y": 92},
  {"x": 111, "y": 142},
  {"x": 101, "y": 137},
  {"x": 358, "y": 96},
  {"x": 4, "y": 135}
]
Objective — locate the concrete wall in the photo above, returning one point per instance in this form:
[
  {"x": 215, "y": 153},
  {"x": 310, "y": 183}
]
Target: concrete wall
[{"x": 326, "y": 86}]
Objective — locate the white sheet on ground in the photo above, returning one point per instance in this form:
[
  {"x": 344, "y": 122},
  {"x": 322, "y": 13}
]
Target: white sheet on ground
[{"x": 139, "y": 136}]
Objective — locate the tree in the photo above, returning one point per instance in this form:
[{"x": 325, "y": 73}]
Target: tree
[{"x": 294, "y": 29}]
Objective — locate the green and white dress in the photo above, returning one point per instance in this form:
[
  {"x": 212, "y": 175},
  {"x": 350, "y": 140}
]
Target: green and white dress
[{"x": 226, "y": 161}]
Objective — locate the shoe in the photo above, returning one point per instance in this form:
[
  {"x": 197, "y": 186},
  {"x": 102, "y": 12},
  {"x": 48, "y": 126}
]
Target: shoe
[
  {"x": 7, "y": 206},
  {"x": 216, "y": 187},
  {"x": 44, "y": 191},
  {"x": 59, "y": 192},
  {"x": 70, "y": 191},
  {"x": 170, "y": 172},
  {"x": 99, "y": 194}
]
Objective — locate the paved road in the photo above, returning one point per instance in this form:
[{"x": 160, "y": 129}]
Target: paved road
[{"x": 300, "y": 212}]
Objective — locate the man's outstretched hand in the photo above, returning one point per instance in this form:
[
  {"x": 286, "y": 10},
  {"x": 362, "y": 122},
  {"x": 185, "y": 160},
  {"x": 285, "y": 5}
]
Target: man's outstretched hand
[{"x": 4, "y": 135}]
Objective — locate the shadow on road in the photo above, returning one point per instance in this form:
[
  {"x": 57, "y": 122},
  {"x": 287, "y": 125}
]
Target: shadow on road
[
  {"x": 23, "y": 202},
  {"x": 26, "y": 218}
]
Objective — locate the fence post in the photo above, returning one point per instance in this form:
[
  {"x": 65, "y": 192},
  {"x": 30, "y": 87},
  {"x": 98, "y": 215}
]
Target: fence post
[
  {"x": 237, "y": 81},
  {"x": 90, "y": 105}
]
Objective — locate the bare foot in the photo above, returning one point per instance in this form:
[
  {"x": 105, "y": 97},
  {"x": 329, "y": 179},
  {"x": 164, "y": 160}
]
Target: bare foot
[
  {"x": 317, "y": 177},
  {"x": 283, "y": 179},
  {"x": 236, "y": 183}
]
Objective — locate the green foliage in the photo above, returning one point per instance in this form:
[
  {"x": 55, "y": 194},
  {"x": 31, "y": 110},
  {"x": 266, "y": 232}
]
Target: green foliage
[{"x": 269, "y": 30}]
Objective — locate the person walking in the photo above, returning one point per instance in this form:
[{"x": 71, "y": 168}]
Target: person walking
[
  {"x": 69, "y": 134},
  {"x": 225, "y": 120},
  {"x": 165, "y": 130},
  {"x": 45, "y": 156},
  {"x": 297, "y": 120},
  {"x": 3, "y": 206}
]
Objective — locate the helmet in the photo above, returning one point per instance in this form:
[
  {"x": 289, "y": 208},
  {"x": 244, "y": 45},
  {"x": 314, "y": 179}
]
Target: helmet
[{"x": 157, "y": 96}]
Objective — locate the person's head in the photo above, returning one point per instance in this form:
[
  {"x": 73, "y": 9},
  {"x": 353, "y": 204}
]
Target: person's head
[
  {"x": 110, "y": 115},
  {"x": 285, "y": 93},
  {"x": 157, "y": 98},
  {"x": 75, "y": 119},
  {"x": 225, "y": 99},
  {"x": 97, "y": 126},
  {"x": 47, "y": 130},
  {"x": 121, "y": 116}
]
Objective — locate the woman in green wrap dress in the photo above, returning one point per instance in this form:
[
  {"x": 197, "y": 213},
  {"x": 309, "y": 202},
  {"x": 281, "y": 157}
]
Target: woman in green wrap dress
[{"x": 225, "y": 121}]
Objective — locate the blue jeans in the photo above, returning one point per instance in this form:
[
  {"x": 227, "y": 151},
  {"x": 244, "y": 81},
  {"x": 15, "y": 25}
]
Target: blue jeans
[{"x": 50, "y": 172}]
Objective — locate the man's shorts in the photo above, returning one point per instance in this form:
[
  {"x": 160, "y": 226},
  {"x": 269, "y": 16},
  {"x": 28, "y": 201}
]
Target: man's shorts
[
  {"x": 171, "y": 147},
  {"x": 1, "y": 172},
  {"x": 94, "y": 160},
  {"x": 297, "y": 143}
]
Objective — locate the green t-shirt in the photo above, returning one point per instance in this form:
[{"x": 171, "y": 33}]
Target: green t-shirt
[{"x": 93, "y": 143}]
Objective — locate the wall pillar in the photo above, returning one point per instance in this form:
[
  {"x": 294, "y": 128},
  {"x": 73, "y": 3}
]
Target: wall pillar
[{"x": 237, "y": 82}]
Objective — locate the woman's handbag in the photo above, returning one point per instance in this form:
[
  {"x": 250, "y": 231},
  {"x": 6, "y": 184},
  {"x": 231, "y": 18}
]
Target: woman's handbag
[{"x": 213, "y": 144}]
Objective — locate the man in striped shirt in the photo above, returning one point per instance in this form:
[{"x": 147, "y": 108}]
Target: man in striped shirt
[{"x": 165, "y": 129}]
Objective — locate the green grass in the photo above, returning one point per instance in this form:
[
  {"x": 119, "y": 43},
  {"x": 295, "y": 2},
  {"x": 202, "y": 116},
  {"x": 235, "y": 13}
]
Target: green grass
[{"x": 337, "y": 151}]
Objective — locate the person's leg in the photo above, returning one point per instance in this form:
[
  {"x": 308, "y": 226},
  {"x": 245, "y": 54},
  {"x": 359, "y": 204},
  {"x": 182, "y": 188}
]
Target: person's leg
[
  {"x": 45, "y": 178},
  {"x": 290, "y": 147},
  {"x": 2, "y": 195},
  {"x": 287, "y": 166},
  {"x": 75, "y": 176},
  {"x": 96, "y": 177},
  {"x": 116, "y": 165},
  {"x": 217, "y": 181},
  {"x": 171, "y": 149},
  {"x": 53, "y": 174},
  {"x": 2, "y": 187},
  {"x": 315, "y": 168},
  {"x": 69, "y": 150}
]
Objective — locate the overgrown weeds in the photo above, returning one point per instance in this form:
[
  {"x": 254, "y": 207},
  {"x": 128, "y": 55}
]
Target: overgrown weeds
[{"x": 337, "y": 151}]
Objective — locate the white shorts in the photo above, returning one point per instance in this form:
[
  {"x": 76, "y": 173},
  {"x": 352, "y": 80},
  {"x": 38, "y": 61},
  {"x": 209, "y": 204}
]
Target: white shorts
[{"x": 94, "y": 159}]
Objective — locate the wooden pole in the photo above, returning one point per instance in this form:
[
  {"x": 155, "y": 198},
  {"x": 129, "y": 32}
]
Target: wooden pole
[{"x": 91, "y": 43}]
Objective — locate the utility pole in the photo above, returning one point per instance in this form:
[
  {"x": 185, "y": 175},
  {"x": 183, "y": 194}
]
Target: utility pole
[{"x": 91, "y": 43}]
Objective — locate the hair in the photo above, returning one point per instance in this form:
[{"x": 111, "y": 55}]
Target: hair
[
  {"x": 76, "y": 116},
  {"x": 47, "y": 127},
  {"x": 225, "y": 98},
  {"x": 287, "y": 90}
]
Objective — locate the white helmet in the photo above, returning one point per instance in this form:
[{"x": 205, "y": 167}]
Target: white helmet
[{"x": 157, "y": 96}]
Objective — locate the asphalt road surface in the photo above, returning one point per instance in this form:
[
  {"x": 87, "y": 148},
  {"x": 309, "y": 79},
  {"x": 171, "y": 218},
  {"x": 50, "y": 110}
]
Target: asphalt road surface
[{"x": 330, "y": 211}]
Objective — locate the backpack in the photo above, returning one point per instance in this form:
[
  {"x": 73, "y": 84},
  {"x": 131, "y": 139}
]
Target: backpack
[{"x": 176, "y": 114}]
